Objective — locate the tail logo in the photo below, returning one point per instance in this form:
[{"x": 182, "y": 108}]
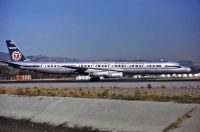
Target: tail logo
[{"x": 16, "y": 55}]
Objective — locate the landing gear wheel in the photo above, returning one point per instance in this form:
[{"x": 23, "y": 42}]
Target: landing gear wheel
[{"x": 95, "y": 79}]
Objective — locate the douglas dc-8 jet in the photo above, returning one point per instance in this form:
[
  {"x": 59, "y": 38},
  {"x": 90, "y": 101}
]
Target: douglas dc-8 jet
[{"x": 95, "y": 70}]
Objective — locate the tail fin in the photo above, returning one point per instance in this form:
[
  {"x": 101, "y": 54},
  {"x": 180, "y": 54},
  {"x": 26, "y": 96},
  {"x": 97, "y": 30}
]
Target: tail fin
[{"x": 15, "y": 54}]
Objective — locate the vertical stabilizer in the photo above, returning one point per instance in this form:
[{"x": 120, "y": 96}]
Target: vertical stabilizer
[{"x": 15, "y": 54}]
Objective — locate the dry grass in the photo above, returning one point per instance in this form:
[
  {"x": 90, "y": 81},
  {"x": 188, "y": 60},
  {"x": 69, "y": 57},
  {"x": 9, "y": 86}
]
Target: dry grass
[
  {"x": 179, "y": 121},
  {"x": 182, "y": 95}
]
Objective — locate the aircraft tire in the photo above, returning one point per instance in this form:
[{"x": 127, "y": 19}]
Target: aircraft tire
[{"x": 95, "y": 79}]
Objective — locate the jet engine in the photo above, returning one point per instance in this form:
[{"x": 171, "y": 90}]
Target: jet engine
[{"x": 107, "y": 74}]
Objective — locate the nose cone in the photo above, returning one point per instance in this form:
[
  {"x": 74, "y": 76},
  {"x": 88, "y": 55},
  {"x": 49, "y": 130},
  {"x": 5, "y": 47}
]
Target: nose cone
[{"x": 188, "y": 69}]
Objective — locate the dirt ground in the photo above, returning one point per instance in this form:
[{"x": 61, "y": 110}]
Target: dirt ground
[{"x": 14, "y": 125}]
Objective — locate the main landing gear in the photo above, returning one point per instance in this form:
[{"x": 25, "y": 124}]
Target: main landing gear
[{"x": 95, "y": 79}]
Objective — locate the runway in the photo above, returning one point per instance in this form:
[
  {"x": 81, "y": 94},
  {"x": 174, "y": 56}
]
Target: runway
[
  {"x": 123, "y": 83},
  {"x": 101, "y": 81}
]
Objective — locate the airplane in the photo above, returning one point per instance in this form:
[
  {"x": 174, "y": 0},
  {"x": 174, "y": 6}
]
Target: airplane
[{"x": 95, "y": 70}]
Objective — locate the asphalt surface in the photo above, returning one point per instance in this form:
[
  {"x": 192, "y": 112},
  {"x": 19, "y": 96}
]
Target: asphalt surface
[
  {"x": 101, "y": 81},
  {"x": 127, "y": 83}
]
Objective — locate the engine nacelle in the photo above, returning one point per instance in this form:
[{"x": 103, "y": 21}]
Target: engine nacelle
[{"x": 107, "y": 74}]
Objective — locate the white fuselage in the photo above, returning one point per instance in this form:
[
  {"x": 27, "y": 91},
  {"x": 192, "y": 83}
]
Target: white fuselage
[{"x": 93, "y": 67}]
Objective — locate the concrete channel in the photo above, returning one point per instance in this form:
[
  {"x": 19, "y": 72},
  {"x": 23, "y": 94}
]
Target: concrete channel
[{"x": 104, "y": 114}]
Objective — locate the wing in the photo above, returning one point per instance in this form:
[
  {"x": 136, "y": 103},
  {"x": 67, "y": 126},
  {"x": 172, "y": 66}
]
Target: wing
[
  {"x": 85, "y": 69},
  {"x": 78, "y": 69}
]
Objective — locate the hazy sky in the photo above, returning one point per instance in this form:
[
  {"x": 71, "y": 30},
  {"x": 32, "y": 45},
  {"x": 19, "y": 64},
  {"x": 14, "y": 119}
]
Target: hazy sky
[{"x": 103, "y": 29}]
